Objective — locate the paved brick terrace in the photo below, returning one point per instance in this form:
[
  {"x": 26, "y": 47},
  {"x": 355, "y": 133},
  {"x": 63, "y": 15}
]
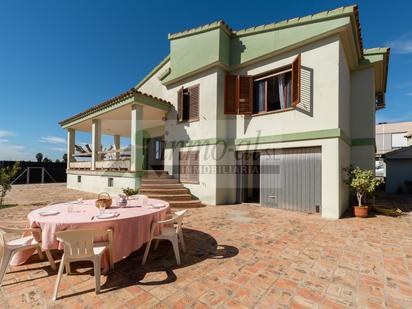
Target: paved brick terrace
[{"x": 239, "y": 256}]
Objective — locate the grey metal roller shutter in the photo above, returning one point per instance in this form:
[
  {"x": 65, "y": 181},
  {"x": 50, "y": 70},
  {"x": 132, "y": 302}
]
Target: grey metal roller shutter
[{"x": 291, "y": 179}]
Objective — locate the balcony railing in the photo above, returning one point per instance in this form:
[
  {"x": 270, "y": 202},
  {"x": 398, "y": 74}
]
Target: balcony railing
[{"x": 102, "y": 165}]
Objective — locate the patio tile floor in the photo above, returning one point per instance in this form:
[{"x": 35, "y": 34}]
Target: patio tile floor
[{"x": 239, "y": 256}]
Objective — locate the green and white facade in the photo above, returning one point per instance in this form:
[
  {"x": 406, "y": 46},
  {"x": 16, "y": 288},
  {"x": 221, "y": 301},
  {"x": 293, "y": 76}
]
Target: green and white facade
[{"x": 341, "y": 86}]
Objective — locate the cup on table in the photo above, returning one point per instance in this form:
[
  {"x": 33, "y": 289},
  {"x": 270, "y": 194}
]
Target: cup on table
[
  {"x": 144, "y": 201},
  {"x": 102, "y": 210}
]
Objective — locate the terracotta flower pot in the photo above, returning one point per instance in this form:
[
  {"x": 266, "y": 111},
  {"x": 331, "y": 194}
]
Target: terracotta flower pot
[{"x": 361, "y": 211}]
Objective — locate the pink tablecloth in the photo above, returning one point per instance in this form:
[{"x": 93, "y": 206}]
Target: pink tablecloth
[{"x": 131, "y": 229}]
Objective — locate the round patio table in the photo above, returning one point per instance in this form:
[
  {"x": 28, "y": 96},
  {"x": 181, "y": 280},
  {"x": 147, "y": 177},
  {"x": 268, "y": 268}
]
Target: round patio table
[{"x": 131, "y": 226}]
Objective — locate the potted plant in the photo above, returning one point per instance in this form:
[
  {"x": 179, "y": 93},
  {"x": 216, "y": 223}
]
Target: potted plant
[
  {"x": 361, "y": 182},
  {"x": 129, "y": 191}
]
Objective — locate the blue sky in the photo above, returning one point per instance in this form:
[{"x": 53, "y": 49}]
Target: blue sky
[{"x": 58, "y": 58}]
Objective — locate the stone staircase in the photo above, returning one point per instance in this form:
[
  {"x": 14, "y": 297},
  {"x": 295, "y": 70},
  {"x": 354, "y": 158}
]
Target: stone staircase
[{"x": 162, "y": 186}]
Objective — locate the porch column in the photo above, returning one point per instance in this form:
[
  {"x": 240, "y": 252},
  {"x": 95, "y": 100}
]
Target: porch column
[
  {"x": 116, "y": 141},
  {"x": 96, "y": 141},
  {"x": 71, "y": 139},
  {"x": 136, "y": 138}
]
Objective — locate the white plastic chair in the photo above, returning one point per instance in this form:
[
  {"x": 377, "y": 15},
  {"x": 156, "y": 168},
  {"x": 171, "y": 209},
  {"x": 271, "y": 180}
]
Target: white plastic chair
[
  {"x": 26, "y": 241},
  {"x": 169, "y": 231},
  {"x": 79, "y": 245}
]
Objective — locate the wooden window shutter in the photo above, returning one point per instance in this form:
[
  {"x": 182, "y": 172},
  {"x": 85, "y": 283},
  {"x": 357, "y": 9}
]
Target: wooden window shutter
[
  {"x": 194, "y": 103},
  {"x": 296, "y": 81},
  {"x": 245, "y": 86},
  {"x": 189, "y": 166},
  {"x": 231, "y": 95},
  {"x": 180, "y": 105}
]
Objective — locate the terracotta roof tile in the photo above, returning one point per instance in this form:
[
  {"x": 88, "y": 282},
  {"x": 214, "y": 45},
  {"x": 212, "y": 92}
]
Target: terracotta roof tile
[{"x": 107, "y": 103}]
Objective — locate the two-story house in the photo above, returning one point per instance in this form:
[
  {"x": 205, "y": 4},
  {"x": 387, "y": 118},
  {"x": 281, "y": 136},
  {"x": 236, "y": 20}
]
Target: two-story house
[{"x": 268, "y": 115}]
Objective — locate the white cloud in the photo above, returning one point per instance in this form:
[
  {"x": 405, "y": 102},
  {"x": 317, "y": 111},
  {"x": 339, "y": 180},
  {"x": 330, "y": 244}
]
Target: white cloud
[
  {"x": 4, "y": 133},
  {"x": 13, "y": 152},
  {"x": 10, "y": 151},
  {"x": 59, "y": 149},
  {"x": 53, "y": 140},
  {"x": 402, "y": 45},
  {"x": 409, "y": 93}
]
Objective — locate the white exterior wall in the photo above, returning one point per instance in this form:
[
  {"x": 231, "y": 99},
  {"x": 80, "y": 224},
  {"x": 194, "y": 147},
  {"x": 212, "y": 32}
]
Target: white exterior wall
[
  {"x": 344, "y": 93},
  {"x": 187, "y": 131},
  {"x": 345, "y": 125},
  {"x": 323, "y": 58},
  {"x": 336, "y": 96},
  {"x": 153, "y": 85},
  {"x": 344, "y": 162},
  {"x": 363, "y": 116},
  {"x": 99, "y": 183}
]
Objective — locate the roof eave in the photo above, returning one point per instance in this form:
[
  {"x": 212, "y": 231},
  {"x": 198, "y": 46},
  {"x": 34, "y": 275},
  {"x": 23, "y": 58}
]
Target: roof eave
[{"x": 129, "y": 97}]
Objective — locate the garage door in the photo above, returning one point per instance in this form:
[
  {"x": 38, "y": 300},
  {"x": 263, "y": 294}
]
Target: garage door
[{"x": 291, "y": 179}]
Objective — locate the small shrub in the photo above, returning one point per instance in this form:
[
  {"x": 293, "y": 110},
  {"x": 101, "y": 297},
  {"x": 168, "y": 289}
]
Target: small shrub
[
  {"x": 361, "y": 181},
  {"x": 7, "y": 175},
  {"x": 130, "y": 191}
]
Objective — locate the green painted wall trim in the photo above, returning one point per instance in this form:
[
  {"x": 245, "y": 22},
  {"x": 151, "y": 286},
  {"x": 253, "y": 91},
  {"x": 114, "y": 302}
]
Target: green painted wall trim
[
  {"x": 345, "y": 138},
  {"x": 199, "y": 142},
  {"x": 290, "y": 137},
  {"x": 220, "y": 24},
  {"x": 363, "y": 142},
  {"x": 193, "y": 49},
  {"x": 153, "y": 72},
  {"x": 165, "y": 74}
]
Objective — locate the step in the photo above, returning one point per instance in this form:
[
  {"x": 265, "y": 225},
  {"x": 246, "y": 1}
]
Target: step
[
  {"x": 159, "y": 180},
  {"x": 166, "y": 191},
  {"x": 161, "y": 186},
  {"x": 158, "y": 177},
  {"x": 186, "y": 204},
  {"x": 156, "y": 174},
  {"x": 164, "y": 176},
  {"x": 170, "y": 197}
]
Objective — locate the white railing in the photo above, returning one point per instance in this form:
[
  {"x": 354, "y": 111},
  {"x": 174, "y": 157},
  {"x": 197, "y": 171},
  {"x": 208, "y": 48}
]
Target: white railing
[
  {"x": 102, "y": 165},
  {"x": 113, "y": 164},
  {"x": 81, "y": 165}
]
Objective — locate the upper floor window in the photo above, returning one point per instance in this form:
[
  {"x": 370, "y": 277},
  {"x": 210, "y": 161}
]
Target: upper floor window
[
  {"x": 188, "y": 104},
  {"x": 272, "y": 92},
  {"x": 245, "y": 95}
]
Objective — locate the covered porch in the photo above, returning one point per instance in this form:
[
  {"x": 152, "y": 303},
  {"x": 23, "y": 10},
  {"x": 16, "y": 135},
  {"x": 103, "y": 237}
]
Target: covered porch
[{"x": 132, "y": 116}]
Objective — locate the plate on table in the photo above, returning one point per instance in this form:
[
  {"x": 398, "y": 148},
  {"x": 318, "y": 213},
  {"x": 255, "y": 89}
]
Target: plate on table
[
  {"x": 157, "y": 204},
  {"x": 107, "y": 215},
  {"x": 49, "y": 213}
]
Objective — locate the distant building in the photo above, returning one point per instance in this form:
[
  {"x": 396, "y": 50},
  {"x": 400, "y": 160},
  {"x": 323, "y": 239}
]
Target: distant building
[
  {"x": 399, "y": 170},
  {"x": 391, "y": 137}
]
